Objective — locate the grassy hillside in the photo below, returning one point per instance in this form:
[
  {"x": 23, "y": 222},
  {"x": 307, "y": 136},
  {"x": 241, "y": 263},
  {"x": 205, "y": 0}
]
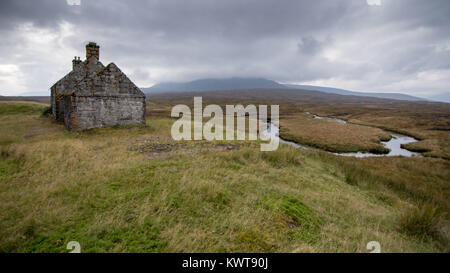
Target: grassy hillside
[{"x": 132, "y": 189}]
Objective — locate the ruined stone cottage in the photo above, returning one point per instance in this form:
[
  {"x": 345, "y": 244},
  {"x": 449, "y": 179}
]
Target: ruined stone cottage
[{"x": 93, "y": 95}]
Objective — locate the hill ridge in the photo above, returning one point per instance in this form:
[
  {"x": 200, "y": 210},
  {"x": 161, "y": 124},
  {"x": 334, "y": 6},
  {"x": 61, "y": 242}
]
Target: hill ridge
[{"x": 236, "y": 83}]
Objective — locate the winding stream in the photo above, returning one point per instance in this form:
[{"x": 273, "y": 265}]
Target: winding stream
[
  {"x": 394, "y": 144},
  {"x": 327, "y": 118}
]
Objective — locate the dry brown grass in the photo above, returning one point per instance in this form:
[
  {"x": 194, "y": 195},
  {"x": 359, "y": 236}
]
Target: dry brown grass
[
  {"x": 428, "y": 122},
  {"x": 332, "y": 136}
]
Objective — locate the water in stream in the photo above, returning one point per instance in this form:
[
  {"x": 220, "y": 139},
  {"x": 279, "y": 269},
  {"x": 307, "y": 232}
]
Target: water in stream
[
  {"x": 331, "y": 119},
  {"x": 327, "y": 118},
  {"x": 394, "y": 144}
]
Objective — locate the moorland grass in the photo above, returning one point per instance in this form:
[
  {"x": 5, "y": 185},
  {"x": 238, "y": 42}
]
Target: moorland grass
[
  {"x": 95, "y": 188},
  {"x": 332, "y": 136},
  {"x": 424, "y": 221},
  {"x": 427, "y": 122}
]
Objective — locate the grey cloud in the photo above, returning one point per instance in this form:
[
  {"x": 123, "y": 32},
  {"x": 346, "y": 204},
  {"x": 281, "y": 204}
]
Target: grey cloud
[
  {"x": 289, "y": 41},
  {"x": 42, "y": 13},
  {"x": 310, "y": 46}
]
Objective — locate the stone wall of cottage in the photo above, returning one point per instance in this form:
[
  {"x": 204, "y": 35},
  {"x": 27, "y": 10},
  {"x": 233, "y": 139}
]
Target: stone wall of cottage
[
  {"x": 67, "y": 83},
  {"x": 86, "y": 112},
  {"x": 52, "y": 100}
]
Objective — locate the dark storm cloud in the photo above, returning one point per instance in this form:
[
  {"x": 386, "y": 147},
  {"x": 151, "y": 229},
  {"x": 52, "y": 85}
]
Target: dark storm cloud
[
  {"x": 341, "y": 42},
  {"x": 42, "y": 13}
]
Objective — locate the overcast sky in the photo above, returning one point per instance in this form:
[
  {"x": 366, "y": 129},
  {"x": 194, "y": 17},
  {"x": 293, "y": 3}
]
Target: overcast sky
[{"x": 363, "y": 45}]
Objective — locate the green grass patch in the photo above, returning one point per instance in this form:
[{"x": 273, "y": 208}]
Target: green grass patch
[
  {"x": 253, "y": 240},
  {"x": 16, "y": 108},
  {"x": 303, "y": 222},
  {"x": 10, "y": 163},
  {"x": 135, "y": 237}
]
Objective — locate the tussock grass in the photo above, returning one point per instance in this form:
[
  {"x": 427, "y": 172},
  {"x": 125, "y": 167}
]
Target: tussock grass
[
  {"x": 416, "y": 180},
  {"x": 278, "y": 159},
  {"x": 425, "y": 220},
  {"x": 10, "y": 162},
  {"x": 47, "y": 112},
  {"x": 282, "y": 158}
]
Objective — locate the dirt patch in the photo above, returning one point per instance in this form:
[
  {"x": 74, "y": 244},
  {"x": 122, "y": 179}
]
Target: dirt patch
[{"x": 159, "y": 147}]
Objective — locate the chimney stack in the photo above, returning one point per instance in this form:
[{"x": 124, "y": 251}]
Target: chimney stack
[
  {"x": 92, "y": 49},
  {"x": 76, "y": 63}
]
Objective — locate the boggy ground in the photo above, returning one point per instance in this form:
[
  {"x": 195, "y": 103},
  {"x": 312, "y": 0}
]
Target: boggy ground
[
  {"x": 333, "y": 136},
  {"x": 105, "y": 189},
  {"x": 429, "y": 122}
]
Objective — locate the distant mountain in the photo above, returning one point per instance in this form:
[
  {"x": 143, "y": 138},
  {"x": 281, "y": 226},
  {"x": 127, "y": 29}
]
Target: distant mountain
[
  {"x": 213, "y": 85},
  {"x": 445, "y": 97},
  {"x": 395, "y": 96},
  {"x": 254, "y": 83},
  {"x": 41, "y": 99},
  {"x": 35, "y": 93}
]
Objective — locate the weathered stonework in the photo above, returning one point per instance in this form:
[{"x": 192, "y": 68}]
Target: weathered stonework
[{"x": 95, "y": 96}]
